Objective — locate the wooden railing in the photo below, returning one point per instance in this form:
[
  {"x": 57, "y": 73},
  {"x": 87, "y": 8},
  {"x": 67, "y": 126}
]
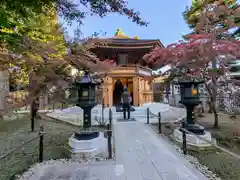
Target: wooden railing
[
  {"x": 130, "y": 68},
  {"x": 133, "y": 68}
]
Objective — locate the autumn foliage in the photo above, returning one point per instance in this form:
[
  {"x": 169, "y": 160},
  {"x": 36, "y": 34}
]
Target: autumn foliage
[
  {"x": 211, "y": 42},
  {"x": 195, "y": 51},
  {"x": 33, "y": 47}
]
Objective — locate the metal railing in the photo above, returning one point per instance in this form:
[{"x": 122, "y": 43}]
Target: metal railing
[
  {"x": 184, "y": 135},
  {"x": 40, "y": 144},
  {"x": 40, "y": 136}
]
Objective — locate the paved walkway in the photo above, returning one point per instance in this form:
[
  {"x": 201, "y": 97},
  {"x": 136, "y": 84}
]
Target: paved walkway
[
  {"x": 140, "y": 155},
  {"x": 143, "y": 155}
]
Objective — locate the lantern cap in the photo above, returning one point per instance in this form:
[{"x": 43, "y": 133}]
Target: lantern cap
[
  {"x": 86, "y": 79},
  {"x": 189, "y": 82}
]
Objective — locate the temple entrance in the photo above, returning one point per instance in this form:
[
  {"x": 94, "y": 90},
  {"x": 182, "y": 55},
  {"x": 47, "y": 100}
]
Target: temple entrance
[{"x": 118, "y": 86}]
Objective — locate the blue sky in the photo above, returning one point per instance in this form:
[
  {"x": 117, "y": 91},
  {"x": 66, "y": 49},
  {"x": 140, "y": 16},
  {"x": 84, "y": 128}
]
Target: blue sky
[{"x": 165, "y": 18}]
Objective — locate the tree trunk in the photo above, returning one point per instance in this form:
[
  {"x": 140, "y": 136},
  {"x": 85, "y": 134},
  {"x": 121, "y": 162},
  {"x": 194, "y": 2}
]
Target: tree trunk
[
  {"x": 210, "y": 108},
  {"x": 212, "y": 101},
  {"x": 200, "y": 110},
  {"x": 214, "y": 95},
  {"x": 216, "y": 121}
]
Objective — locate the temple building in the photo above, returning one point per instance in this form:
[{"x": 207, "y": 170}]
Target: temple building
[
  {"x": 234, "y": 69},
  {"x": 131, "y": 71}
]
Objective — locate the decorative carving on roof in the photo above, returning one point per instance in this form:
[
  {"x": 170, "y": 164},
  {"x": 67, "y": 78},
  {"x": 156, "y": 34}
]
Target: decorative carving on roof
[
  {"x": 120, "y": 40},
  {"x": 120, "y": 34}
]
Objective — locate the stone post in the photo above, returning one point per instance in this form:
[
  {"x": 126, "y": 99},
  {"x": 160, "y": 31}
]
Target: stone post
[{"x": 4, "y": 88}]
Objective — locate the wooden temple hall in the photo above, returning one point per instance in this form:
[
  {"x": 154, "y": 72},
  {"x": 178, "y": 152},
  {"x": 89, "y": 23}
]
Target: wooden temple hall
[{"x": 131, "y": 71}]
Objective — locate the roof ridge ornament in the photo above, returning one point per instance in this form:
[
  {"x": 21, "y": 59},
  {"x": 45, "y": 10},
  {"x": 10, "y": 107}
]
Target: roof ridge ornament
[{"x": 120, "y": 34}]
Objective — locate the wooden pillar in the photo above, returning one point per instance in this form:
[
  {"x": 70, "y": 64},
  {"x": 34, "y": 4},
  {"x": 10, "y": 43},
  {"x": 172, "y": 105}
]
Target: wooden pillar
[
  {"x": 105, "y": 92},
  {"x": 141, "y": 88},
  {"x": 147, "y": 90},
  {"x": 108, "y": 91},
  {"x": 136, "y": 91},
  {"x": 151, "y": 90}
]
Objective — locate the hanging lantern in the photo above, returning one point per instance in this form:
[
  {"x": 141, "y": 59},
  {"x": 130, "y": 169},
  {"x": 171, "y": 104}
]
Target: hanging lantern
[{"x": 194, "y": 91}]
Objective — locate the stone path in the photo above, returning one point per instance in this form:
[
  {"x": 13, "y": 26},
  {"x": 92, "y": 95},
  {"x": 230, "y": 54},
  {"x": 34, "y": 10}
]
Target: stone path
[{"x": 142, "y": 155}]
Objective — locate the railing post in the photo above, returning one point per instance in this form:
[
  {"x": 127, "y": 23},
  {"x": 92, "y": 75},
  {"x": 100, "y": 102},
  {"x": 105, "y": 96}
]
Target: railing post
[
  {"x": 32, "y": 123},
  {"x": 159, "y": 123},
  {"x": 103, "y": 111},
  {"x": 148, "y": 114},
  {"x": 41, "y": 134},
  {"x": 109, "y": 130},
  {"x": 33, "y": 115},
  {"x": 184, "y": 139},
  {"x": 109, "y": 141},
  {"x": 110, "y": 118}
]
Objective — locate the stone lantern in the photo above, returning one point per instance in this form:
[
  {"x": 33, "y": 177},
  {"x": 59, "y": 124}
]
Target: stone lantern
[
  {"x": 86, "y": 97},
  {"x": 189, "y": 90},
  {"x": 86, "y": 143},
  {"x": 190, "y": 98}
]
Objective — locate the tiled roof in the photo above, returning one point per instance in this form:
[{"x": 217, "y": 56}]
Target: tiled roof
[{"x": 120, "y": 40}]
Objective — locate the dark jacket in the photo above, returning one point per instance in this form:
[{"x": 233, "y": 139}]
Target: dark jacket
[
  {"x": 125, "y": 97},
  {"x": 35, "y": 105}
]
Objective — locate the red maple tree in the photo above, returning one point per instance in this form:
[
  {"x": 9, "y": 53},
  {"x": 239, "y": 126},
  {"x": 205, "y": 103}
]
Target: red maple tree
[
  {"x": 195, "y": 53},
  {"x": 210, "y": 42}
]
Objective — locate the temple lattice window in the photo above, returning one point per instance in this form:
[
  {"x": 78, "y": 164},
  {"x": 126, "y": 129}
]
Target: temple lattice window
[{"x": 122, "y": 59}]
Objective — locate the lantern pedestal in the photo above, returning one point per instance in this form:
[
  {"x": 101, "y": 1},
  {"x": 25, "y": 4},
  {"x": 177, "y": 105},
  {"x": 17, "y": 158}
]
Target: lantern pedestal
[
  {"x": 88, "y": 144},
  {"x": 195, "y": 128},
  {"x": 193, "y": 142}
]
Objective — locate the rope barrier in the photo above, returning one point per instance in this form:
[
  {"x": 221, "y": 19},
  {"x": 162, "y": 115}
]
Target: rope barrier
[
  {"x": 41, "y": 134},
  {"x": 199, "y": 137},
  {"x": 18, "y": 147}
]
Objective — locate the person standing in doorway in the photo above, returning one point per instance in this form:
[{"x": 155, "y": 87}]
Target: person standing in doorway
[{"x": 126, "y": 100}]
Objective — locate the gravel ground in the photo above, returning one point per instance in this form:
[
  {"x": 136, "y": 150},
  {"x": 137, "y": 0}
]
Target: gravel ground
[
  {"x": 61, "y": 167},
  {"x": 202, "y": 168}
]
